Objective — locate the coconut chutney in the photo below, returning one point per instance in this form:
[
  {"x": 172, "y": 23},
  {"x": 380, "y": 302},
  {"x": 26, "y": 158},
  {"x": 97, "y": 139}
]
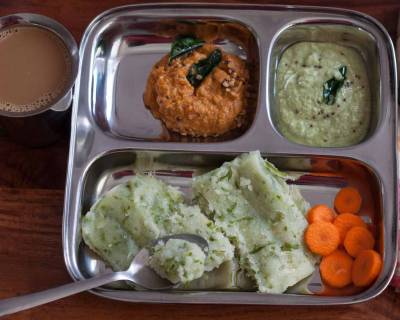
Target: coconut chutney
[{"x": 303, "y": 115}]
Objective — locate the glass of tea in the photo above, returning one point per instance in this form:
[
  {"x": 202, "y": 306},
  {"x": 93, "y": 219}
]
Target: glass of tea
[{"x": 39, "y": 63}]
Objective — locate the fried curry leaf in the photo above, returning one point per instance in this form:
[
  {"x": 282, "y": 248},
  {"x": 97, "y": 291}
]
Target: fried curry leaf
[
  {"x": 198, "y": 71},
  {"x": 332, "y": 86},
  {"x": 183, "y": 45}
]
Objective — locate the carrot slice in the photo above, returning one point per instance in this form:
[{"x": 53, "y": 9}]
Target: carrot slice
[
  {"x": 322, "y": 237},
  {"x": 358, "y": 239},
  {"x": 348, "y": 200},
  {"x": 320, "y": 212},
  {"x": 336, "y": 269},
  {"x": 345, "y": 221},
  {"x": 366, "y": 268}
]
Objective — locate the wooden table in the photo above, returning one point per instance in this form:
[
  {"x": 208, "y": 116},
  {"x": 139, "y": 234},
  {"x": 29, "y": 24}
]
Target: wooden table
[{"x": 31, "y": 204}]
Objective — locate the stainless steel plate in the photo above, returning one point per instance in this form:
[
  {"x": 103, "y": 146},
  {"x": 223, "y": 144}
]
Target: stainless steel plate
[{"x": 110, "y": 124}]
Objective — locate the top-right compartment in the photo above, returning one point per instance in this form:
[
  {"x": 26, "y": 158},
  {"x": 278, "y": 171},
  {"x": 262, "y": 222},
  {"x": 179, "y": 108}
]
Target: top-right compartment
[{"x": 325, "y": 84}]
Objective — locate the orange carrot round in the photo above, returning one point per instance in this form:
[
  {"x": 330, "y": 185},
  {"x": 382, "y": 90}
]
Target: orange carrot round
[
  {"x": 358, "y": 239},
  {"x": 348, "y": 200},
  {"x": 322, "y": 237},
  {"x": 345, "y": 221},
  {"x": 336, "y": 269},
  {"x": 366, "y": 268},
  {"x": 320, "y": 212}
]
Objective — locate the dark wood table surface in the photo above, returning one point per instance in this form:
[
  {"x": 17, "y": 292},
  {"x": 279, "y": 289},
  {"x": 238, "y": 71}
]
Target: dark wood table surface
[{"x": 31, "y": 206}]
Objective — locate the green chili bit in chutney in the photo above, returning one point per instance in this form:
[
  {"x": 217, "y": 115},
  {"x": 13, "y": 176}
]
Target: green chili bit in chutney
[{"x": 322, "y": 94}]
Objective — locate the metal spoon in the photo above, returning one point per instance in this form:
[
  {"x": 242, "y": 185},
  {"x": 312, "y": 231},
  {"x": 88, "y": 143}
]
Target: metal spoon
[{"x": 138, "y": 273}]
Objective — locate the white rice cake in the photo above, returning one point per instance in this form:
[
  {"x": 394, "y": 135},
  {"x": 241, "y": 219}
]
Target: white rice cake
[
  {"x": 144, "y": 209},
  {"x": 251, "y": 202}
]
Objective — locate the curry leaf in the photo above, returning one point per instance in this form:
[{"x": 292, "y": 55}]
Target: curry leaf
[
  {"x": 198, "y": 71},
  {"x": 332, "y": 86},
  {"x": 184, "y": 45}
]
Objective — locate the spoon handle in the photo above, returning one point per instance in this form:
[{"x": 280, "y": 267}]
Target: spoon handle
[{"x": 28, "y": 301}]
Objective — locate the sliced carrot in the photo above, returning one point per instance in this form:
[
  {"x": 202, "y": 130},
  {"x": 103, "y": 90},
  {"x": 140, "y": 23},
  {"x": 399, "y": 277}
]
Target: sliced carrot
[
  {"x": 345, "y": 221},
  {"x": 366, "y": 268},
  {"x": 358, "y": 239},
  {"x": 322, "y": 237},
  {"x": 348, "y": 200},
  {"x": 336, "y": 269},
  {"x": 320, "y": 212}
]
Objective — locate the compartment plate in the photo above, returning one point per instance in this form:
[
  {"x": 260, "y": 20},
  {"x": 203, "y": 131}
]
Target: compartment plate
[{"x": 93, "y": 137}]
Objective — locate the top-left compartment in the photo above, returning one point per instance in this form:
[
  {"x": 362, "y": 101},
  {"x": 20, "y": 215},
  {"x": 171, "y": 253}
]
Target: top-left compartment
[{"x": 123, "y": 54}]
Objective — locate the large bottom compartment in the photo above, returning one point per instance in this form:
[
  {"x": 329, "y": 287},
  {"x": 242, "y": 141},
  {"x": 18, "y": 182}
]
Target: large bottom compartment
[{"x": 318, "y": 178}]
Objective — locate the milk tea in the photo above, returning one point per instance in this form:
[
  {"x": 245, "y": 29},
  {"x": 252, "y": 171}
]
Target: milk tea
[{"x": 35, "y": 69}]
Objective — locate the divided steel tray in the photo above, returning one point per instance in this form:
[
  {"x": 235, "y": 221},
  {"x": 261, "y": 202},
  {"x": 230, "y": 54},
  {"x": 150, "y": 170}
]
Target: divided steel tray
[{"x": 111, "y": 128}]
